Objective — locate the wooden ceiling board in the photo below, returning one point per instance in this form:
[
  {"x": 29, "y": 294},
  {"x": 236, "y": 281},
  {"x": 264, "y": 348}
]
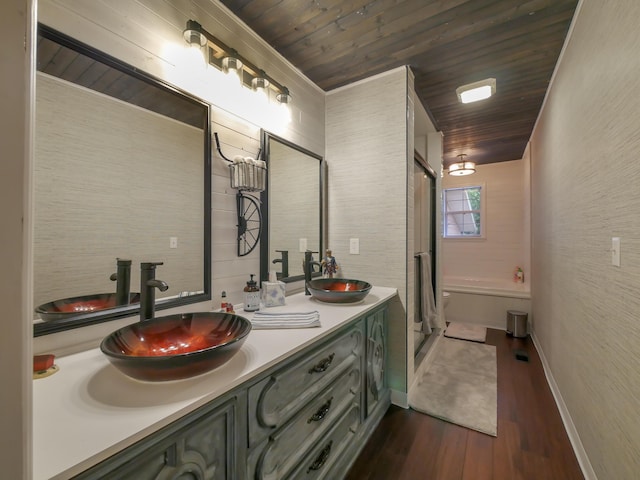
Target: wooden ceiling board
[{"x": 446, "y": 43}]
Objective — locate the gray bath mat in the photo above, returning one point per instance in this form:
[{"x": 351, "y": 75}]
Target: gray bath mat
[
  {"x": 460, "y": 386},
  {"x": 466, "y": 331}
]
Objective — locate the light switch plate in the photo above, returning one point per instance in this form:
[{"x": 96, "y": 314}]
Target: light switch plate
[
  {"x": 354, "y": 246},
  {"x": 302, "y": 245},
  {"x": 615, "y": 251},
  {"x": 173, "y": 242}
]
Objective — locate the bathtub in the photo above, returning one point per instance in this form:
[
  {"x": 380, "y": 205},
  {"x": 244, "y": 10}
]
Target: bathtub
[{"x": 485, "y": 301}]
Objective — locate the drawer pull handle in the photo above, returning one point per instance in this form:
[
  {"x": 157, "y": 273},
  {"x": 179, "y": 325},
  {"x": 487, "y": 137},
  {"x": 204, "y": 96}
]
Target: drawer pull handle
[
  {"x": 322, "y": 365},
  {"x": 322, "y": 412},
  {"x": 322, "y": 458}
]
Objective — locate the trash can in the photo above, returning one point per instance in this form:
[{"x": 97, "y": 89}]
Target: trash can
[{"x": 517, "y": 323}]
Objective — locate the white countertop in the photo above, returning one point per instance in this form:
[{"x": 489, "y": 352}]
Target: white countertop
[{"x": 88, "y": 410}]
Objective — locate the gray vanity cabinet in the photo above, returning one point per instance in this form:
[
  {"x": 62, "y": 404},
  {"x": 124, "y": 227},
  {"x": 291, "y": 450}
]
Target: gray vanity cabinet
[
  {"x": 304, "y": 418},
  {"x": 376, "y": 384},
  {"x": 199, "y": 446},
  {"x": 294, "y": 412}
]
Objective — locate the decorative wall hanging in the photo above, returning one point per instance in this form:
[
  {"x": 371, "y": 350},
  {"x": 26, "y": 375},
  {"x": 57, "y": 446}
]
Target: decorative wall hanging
[{"x": 246, "y": 175}]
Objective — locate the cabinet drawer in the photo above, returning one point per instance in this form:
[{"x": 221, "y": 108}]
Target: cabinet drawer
[
  {"x": 278, "y": 397},
  {"x": 282, "y": 452},
  {"x": 319, "y": 462}
]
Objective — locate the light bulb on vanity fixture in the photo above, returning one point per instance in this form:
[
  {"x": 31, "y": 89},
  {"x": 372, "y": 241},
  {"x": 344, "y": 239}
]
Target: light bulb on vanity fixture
[
  {"x": 284, "y": 97},
  {"x": 462, "y": 167}
]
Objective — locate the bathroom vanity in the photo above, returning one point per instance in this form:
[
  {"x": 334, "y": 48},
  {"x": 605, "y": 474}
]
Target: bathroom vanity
[{"x": 293, "y": 403}]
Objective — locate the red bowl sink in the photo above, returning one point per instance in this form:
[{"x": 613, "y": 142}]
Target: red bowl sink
[
  {"x": 176, "y": 346},
  {"x": 74, "y": 306},
  {"x": 338, "y": 290}
]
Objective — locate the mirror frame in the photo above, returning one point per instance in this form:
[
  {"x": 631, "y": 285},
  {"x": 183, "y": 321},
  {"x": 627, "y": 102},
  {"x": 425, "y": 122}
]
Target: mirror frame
[
  {"x": 44, "y": 328},
  {"x": 264, "y": 198}
]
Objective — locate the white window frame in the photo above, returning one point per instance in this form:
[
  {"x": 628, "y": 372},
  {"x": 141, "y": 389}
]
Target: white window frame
[{"x": 448, "y": 214}]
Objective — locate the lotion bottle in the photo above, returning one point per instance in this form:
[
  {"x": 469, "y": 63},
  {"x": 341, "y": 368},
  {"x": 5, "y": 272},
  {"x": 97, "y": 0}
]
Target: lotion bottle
[{"x": 251, "y": 296}]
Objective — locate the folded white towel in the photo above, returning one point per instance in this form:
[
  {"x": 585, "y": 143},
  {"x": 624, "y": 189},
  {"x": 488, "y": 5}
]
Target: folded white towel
[{"x": 264, "y": 320}]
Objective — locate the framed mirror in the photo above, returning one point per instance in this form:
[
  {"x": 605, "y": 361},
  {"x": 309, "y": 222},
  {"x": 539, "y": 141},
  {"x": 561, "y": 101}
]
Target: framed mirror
[
  {"x": 292, "y": 207},
  {"x": 122, "y": 171}
]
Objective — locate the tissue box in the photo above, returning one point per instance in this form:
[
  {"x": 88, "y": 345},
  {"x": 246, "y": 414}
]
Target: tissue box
[{"x": 272, "y": 293}]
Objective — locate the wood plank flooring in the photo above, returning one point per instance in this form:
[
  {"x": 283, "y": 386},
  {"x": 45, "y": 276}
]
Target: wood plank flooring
[{"x": 531, "y": 443}]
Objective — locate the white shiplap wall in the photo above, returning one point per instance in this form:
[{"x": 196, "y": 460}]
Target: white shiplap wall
[
  {"x": 585, "y": 189},
  {"x": 16, "y": 83},
  {"x": 368, "y": 170},
  {"x": 147, "y": 34}
]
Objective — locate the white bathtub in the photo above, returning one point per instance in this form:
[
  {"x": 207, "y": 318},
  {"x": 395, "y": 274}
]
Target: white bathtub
[{"x": 485, "y": 301}]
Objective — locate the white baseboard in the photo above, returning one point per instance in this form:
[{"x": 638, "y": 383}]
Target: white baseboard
[{"x": 574, "y": 438}]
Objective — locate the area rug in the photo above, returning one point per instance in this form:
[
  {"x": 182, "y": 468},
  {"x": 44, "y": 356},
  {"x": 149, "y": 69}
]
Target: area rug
[
  {"x": 460, "y": 386},
  {"x": 466, "y": 331}
]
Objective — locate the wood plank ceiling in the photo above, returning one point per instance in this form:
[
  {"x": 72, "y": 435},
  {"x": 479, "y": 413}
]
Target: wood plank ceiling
[{"x": 447, "y": 43}]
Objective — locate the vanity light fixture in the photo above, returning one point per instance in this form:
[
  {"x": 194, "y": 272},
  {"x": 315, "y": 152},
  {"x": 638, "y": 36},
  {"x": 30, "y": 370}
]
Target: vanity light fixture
[
  {"x": 261, "y": 81},
  {"x": 462, "y": 167},
  {"x": 232, "y": 63},
  {"x": 284, "y": 97},
  {"x": 228, "y": 59},
  {"x": 193, "y": 34},
  {"x": 476, "y": 91}
]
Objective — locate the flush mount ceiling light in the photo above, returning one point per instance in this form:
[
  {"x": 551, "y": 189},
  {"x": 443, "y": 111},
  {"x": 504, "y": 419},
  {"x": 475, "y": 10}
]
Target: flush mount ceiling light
[
  {"x": 462, "y": 167},
  {"x": 228, "y": 59},
  {"x": 476, "y": 91}
]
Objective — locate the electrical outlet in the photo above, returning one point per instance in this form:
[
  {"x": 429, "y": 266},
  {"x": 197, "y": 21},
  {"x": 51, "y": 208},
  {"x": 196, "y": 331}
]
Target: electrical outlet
[
  {"x": 302, "y": 246},
  {"x": 354, "y": 246},
  {"x": 173, "y": 242}
]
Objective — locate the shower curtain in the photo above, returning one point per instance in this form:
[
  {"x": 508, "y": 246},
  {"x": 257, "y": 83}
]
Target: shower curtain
[{"x": 428, "y": 314}]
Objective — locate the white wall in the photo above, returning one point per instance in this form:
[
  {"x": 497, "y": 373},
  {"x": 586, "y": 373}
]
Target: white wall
[
  {"x": 585, "y": 190},
  {"x": 506, "y": 243},
  {"x": 16, "y": 82},
  {"x": 369, "y": 172}
]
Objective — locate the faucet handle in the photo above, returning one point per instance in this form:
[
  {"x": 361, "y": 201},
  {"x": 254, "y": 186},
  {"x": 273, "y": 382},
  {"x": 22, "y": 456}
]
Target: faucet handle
[{"x": 150, "y": 265}]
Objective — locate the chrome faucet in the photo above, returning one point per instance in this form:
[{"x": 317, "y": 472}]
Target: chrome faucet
[
  {"x": 284, "y": 261},
  {"x": 308, "y": 265},
  {"x": 122, "y": 277},
  {"x": 148, "y": 284}
]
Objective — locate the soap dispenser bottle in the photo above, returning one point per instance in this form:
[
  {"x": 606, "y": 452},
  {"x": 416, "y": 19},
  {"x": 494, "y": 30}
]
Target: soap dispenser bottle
[{"x": 251, "y": 296}]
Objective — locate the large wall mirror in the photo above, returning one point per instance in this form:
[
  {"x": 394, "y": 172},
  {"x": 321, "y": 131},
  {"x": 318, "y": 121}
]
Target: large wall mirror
[
  {"x": 122, "y": 170},
  {"x": 292, "y": 207}
]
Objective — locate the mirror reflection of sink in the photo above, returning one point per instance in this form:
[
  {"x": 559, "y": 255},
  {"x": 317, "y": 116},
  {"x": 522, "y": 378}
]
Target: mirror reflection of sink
[
  {"x": 176, "y": 346},
  {"x": 73, "y": 306},
  {"x": 338, "y": 290}
]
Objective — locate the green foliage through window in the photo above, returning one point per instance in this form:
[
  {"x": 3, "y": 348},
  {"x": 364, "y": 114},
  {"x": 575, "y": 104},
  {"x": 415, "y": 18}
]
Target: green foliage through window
[{"x": 462, "y": 212}]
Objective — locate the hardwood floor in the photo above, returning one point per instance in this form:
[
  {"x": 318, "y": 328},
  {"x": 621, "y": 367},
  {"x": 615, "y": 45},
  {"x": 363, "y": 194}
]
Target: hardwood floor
[{"x": 531, "y": 443}]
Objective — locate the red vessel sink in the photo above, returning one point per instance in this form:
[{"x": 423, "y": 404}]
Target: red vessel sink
[
  {"x": 74, "y": 306},
  {"x": 176, "y": 346},
  {"x": 338, "y": 290}
]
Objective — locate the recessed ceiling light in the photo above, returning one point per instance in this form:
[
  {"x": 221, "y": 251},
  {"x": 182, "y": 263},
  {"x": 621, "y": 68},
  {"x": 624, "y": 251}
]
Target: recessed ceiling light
[{"x": 476, "y": 91}]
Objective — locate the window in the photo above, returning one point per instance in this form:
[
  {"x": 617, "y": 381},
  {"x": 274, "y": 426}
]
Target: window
[{"x": 463, "y": 212}]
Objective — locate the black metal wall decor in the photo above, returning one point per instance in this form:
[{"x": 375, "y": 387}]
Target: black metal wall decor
[{"x": 247, "y": 175}]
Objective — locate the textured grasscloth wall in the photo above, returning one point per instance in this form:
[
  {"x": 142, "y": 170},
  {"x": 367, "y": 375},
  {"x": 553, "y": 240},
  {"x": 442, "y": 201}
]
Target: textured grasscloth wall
[
  {"x": 366, "y": 149},
  {"x": 585, "y": 190},
  {"x": 505, "y": 245},
  {"x": 151, "y": 179}
]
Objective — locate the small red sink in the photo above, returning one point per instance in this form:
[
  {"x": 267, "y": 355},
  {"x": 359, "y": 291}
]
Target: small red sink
[
  {"x": 74, "y": 306},
  {"x": 338, "y": 290}
]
